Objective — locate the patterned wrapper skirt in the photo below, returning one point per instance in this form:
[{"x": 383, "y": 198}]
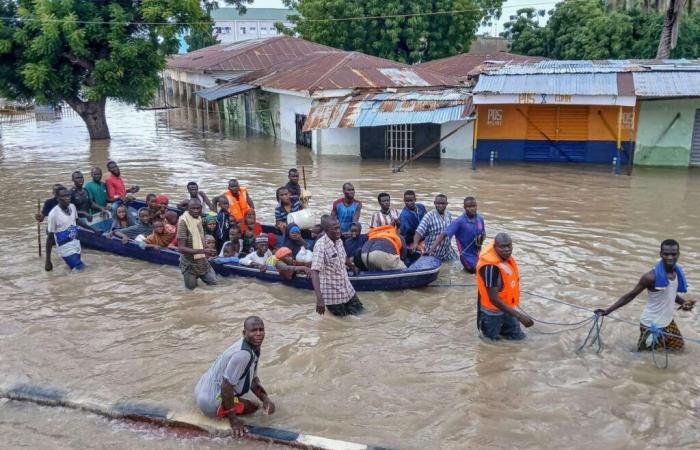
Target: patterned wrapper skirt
[{"x": 669, "y": 342}]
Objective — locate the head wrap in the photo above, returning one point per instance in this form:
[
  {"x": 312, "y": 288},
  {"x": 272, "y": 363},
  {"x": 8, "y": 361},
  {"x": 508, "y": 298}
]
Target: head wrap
[
  {"x": 261, "y": 239},
  {"x": 210, "y": 217},
  {"x": 161, "y": 198},
  {"x": 282, "y": 252},
  {"x": 294, "y": 228}
]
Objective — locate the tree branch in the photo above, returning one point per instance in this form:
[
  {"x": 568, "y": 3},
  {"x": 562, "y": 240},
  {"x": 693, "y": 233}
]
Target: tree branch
[{"x": 87, "y": 65}]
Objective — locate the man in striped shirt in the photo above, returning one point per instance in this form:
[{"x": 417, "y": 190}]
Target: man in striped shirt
[{"x": 430, "y": 228}]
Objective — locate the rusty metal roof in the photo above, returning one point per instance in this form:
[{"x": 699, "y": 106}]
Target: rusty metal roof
[
  {"x": 371, "y": 108},
  {"x": 253, "y": 54},
  {"x": 465, "y": 65},
  {"x": 349, "y": 70}
]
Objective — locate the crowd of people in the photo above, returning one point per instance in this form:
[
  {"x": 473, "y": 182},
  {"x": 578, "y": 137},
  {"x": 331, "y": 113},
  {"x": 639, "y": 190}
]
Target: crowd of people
[{"x": 225, "y": 226}]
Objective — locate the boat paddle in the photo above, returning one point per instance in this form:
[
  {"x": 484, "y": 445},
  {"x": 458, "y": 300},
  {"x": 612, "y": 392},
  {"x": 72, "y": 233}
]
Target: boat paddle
[{"x": 38, "y": 225}]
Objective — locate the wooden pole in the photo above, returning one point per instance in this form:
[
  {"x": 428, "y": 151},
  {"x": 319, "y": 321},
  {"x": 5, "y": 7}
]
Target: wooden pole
[
  {"x": 38, "y": 226},
  {"x": 303, "y": 174}
]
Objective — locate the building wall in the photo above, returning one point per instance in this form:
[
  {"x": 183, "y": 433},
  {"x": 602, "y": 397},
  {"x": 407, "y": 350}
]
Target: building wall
[
  {"x": 508, "y": 130},
  {"x": 228, "y": 31},
  {"x": 289, "y": 106},
  {"x": 661, "y": 145},
  {"x": 460, "y": 144},
  {"x": 337, "y": 141}
]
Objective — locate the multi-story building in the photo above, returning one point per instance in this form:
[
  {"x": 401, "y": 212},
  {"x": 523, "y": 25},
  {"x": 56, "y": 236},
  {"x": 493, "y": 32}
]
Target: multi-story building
[{"x": 255, "y": 23}]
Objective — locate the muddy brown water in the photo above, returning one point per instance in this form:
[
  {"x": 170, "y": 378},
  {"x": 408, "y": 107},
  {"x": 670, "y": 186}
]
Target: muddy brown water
[{"x": 410, "y": 373}]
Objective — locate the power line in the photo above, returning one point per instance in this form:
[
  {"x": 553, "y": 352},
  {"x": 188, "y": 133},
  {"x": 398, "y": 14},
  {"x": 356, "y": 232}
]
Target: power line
[{"x": 330, "y": 19}]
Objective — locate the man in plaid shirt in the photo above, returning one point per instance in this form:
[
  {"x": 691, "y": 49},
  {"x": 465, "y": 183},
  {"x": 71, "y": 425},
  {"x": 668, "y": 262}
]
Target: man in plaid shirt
[{"x": 329, "y": 273}]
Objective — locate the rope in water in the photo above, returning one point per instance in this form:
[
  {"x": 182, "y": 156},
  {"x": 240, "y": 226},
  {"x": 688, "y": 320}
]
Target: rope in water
[{"x": 594, "y": 333}]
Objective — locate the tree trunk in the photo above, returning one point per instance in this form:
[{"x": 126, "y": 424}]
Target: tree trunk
[
  {"x": 669, "y": 34},
  {"x": 93, "y": 114}
]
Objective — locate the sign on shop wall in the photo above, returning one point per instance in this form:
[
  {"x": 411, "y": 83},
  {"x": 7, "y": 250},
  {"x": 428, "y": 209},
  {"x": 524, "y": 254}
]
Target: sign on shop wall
[{"x": 494, "y": 117}]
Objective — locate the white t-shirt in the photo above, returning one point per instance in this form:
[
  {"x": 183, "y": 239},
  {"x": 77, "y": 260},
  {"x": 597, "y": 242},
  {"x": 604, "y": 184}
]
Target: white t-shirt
[
  {"x": 253, "y": 257},
  {"x": 661, "y": 305},
  {"x": 65, "y": 231},
  {"x": 231, "y": 365}
]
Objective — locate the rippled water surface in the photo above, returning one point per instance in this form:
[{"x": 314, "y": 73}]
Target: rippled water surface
[{"x": 410, "y": 373}]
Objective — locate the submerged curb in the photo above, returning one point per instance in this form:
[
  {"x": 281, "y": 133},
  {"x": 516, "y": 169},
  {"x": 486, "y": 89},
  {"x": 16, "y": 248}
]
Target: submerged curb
[{"x": 154, "y": 414}]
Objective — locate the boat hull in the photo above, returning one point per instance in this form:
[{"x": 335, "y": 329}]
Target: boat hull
[{"x": 421, "y": 273}]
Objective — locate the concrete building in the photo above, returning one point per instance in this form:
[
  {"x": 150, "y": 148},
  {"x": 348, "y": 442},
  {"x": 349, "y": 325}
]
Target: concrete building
[
  {"x": 256, "y": 23},
  {"x": 669, "y": 115},
  {"x": 644, "y": 112},
  {"x": 271, "y": 85}
]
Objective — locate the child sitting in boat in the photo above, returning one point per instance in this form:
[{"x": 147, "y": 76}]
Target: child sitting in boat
[
  {"x": 299, "y": 247},
  {"x": 224, "y": 221},
  {"x": 248, "y": 242},
  {"x": 210, "y": 242},
  {"x": 122, "y": 218},
  {"x": 283, "y": 263},
  {"x": 258, "y": 258},
  {"x": 209, "y": 222},
  {"x": 159, "y": 238},
  {"x": 250, "y": 223},
  {"x": 231, "y": 249}
]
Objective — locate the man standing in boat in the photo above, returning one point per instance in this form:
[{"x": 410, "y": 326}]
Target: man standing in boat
[
  {"x": 190, "y": 243},
  {"x": 662, "y": 283},
  {"x": 329, "y": 274},
  {"x": 219, "y": 392},
  {"x": 239, "y": 201},
  {"x": 498, "y": 292}
]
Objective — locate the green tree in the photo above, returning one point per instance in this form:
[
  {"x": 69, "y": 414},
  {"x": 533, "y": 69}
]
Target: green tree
[
  {"x": 525, "y": 32},
  {"x": 413, "y": 38},
  {"x": 202, "y": 35},
  {"x": 588, "y": 29},
  {"x": 85, "y": 51}
]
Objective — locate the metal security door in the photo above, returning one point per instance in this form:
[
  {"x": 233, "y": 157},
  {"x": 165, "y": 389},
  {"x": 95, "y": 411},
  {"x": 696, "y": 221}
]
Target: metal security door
[
  {"x": 695, "y": 143},
  {"x": 303, "y": 137}
]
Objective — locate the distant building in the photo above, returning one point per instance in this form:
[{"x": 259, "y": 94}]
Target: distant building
[
  {"x": 256, "y": 23},
  {"x": 466, "y": 67}
]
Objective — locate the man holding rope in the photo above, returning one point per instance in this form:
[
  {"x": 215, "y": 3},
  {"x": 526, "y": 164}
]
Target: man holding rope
[
  {"x": 658, "y": 330},
  {"x": 498, "y": 282}
]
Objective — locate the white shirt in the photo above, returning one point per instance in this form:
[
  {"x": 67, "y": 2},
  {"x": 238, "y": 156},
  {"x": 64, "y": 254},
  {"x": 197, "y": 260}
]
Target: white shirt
[
  {"x": 661, "y": 305},
  {"x": 253, "y": 257},
  {"x": 65, "y": 231}
]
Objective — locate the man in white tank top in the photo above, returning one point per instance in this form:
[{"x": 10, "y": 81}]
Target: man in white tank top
[{"x": 662, "y": 285}]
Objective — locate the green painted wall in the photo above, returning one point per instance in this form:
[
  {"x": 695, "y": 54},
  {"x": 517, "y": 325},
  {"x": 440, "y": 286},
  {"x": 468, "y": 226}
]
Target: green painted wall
[{"x": 672, "y": 148}]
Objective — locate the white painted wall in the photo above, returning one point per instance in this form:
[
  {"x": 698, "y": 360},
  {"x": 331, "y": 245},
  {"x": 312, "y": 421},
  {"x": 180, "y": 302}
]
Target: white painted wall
[
  {"x": 290, "y": 105},
  {"x": 460, "y": 144},
  {"x": 338, "y": 141}
]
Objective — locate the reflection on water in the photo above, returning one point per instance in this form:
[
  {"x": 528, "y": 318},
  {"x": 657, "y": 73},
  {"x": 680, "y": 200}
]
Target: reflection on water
[{"x": 412, "y": 372}]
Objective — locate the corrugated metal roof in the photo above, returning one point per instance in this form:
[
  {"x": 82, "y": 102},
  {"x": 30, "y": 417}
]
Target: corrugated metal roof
[
  {"x": 279, "y": 14},
  {"x": 597, "y": 66},
  {"x": 349, "y": 70},
  {"x": 386, "y": 108},
  {"x": 244, "y": 56},
  {"x": 667, "y": 84},
  {"x": 224, "y": 91},
  {"x": 564, "y": 84},
  {"x": 464, "y": 65}
]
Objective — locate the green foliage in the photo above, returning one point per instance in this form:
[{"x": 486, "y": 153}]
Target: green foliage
[
  {"x": 585, "y": 29},
  {"x": 86, "y": 50},
  {"x": 405, "y": 39}
]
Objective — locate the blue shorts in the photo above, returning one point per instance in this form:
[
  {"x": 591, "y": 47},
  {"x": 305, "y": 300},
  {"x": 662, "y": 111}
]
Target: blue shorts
[
  {"x": 74, "y": 261},
  {"x": 500, "y": 326}
]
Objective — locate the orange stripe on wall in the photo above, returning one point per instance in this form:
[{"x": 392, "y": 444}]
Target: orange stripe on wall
[{"x": 563, "y": 122}]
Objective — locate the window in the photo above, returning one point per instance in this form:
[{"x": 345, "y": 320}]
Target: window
[
  {"x": 399, "y": 142},
  {"x": 217, "y": 30},
  {"x": 252, "y": 28},
  {"x": 242, "y": 30},
  {"x": 263, "y": 30},
  {"x": 227, "y": 30}
]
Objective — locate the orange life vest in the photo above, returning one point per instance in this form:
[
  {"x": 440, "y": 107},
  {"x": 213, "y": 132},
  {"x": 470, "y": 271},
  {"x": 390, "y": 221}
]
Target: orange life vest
[
  {"x": 238, "y": 207},
  {"x": 510, "y": 294},
  {"x": 386, "y": 232}
]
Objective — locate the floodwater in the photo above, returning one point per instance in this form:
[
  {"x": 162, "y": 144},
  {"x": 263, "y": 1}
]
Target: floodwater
[{"x": 412, "y": 372}]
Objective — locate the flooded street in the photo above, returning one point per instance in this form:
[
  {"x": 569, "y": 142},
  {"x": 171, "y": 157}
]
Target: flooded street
[{"x": 412, "y": 372}]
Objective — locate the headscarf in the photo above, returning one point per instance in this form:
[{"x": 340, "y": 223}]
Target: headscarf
[
  {"x": 161, "y": 198},
  {"x": 210, "y": 217},
  {"x": 352, "y": 244},
  {"x": 293, "y": 228},
  {"x": 282, "y": 252},
  {"x": 289, "y": 243}
]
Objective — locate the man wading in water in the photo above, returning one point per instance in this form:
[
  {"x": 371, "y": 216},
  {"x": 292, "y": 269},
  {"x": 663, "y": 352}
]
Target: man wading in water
[
  {"x": 235, "y": 372},
  {"x": 498, "y": 282},
  {"x": 190, "y": 244},
  {"x": 662, "y": 283}
]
